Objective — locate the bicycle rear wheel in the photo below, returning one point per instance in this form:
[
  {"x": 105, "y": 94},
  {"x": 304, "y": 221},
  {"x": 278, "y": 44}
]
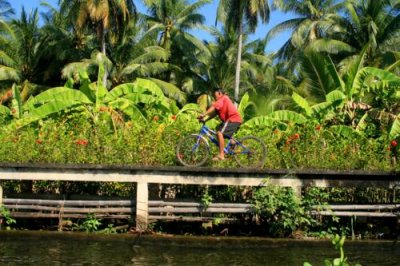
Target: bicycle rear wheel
[
  {"x": 192, "y": 150},
  {"x": 250, "y": 152}
]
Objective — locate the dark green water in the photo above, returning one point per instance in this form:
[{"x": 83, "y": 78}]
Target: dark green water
[{"x": 53, "y": 248}]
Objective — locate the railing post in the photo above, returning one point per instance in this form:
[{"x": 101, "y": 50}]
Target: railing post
[
  {"x": 297, "y": 191},
  {"x": 142, "y": 206}
]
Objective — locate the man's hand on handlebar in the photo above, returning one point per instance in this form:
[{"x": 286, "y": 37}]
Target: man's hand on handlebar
[{"x": 201, "y": 118}]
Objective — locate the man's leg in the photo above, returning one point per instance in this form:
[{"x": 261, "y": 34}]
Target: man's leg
[{"x": 221, "y": 144}]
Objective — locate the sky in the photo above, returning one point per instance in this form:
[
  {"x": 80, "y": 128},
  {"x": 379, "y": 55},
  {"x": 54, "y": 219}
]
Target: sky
[{"x": 209, "y": 11}]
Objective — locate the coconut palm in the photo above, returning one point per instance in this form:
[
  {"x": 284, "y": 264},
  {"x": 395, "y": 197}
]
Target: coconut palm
[
  {"x": 243, "y": 16},
  {"x": 312, "y": 20},
  {"x": 65, "y": 45},
  {"x": 108, "y": 16},
  {"x": 171, "y": 19},
  {"x": 132, "y": 55},
  {"x": 24, "y": 54},
  {"x": 373, "y": 26},
  {"x": 170, "y": 22},
  {"x": 212, "y": 67},
  {"x": 5, "y": 32}
]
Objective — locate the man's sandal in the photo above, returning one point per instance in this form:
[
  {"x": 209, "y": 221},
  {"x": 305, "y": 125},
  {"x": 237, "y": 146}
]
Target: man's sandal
[{"x": 218, "y": 158}]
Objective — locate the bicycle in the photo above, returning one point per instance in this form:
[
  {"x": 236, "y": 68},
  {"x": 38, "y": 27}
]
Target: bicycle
[{"x": 194, "y": 150}]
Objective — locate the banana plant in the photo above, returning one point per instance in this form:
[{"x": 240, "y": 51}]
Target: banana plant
[
  {"x": 92, "y": 98},
  {"x": 355, "y": 95},
  {"x": 395, "y": 129}
]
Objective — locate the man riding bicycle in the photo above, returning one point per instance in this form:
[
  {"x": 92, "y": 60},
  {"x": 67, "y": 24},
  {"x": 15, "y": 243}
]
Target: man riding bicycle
[{"x": 229, "y": 115}]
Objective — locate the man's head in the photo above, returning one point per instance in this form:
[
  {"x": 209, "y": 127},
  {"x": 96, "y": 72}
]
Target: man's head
[{"x": 218, "y": 93}]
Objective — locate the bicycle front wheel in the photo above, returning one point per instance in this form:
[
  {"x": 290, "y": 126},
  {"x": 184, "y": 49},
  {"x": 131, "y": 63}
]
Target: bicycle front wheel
[
  {"x": 192, "y": 150},
  {"x": 250, "y": 152}
]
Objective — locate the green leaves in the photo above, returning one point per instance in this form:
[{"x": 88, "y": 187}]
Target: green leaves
[
  {"x": 16, "y": 103},
  {"x": 288, "y": 116},
  {"x": 300, "y": 101},
  {"x": 275, "y": 118},
  {"x": 395, "y": 129}
]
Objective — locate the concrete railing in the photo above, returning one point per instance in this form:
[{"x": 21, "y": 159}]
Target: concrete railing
[{"x": 143, "y": 176}]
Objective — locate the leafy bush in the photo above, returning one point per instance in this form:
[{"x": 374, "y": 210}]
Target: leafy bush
[
  {"x": 76, "y": 139},
  {"x": 279, "y": 210}
]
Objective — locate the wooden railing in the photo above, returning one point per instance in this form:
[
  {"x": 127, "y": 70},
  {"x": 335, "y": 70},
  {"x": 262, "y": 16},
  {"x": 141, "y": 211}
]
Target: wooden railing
[
  {"x": 146, "y": 210},
  {"x": 170, "y": 210}
]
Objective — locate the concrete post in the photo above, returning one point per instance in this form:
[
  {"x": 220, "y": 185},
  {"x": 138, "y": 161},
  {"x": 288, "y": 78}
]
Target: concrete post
[
  {"x": 297, "y": 191},
  {"x": 142, "y": 206}
]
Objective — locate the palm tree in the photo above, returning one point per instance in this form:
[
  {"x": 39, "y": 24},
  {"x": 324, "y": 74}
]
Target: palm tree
[
  {"x": 242, "y": 15},
  {"x": 370, "y": 26},
  {"x": 131, "y": 55},
  {"x": 65, "y": 45},
  {"x": 24, "y": 54},
  {"x": 106, "y": 16},
  {"x": 312, "y": 19},
  {"x": 5, "y": 32},
  {"x": 171, "y": 19},
  {"x": 213, "y": 66}
]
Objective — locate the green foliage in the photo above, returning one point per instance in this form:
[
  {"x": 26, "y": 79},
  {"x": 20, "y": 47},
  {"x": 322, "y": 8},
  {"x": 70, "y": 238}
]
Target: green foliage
[
  {"x": 90, "y": 224},
  {"x": 5, "y": 213},
  {"x": 109, "y": 230},
  {"x": 76, "y": 139},
  {"x": 279, "y": 210},
  {"x": 338, "y": 243},
  {"x": 206, "y": 199}
]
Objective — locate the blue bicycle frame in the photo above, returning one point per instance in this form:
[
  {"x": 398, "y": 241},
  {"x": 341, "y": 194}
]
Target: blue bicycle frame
[{"x": 229, "y": 149}]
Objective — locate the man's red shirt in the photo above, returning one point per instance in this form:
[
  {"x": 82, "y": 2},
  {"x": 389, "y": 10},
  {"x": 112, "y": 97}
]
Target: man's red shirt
[{"x": 226, "y": 110}]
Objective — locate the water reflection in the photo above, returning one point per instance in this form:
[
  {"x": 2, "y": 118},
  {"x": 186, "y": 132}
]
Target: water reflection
[{"x": 44, "y": 248}]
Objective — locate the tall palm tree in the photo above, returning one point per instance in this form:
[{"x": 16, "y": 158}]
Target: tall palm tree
[
  {"x": 5, "y": 32},
  {"x": 213, "y": 66},
  {"x": 171, "y": 19},
  {"x": 243, "y": 16},
  {"x": 311, "y": 21},
  {"x": 24, "y": 52},
  {"x": 106, "y": 16},
  {"x": 373, "y": 26}
]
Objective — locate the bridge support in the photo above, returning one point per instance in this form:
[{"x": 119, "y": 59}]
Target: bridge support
[{"x": 142, "y": 206}]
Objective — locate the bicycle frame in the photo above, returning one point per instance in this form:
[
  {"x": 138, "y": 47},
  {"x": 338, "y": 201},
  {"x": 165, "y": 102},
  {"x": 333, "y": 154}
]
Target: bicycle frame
[{"x": 211, "y": 135}]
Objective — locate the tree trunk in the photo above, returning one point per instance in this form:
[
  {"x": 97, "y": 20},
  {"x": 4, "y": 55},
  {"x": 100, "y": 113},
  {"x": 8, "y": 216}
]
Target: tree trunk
[
  {"x": 238, "y": 64},
  {"x": 103, "y": 50}
]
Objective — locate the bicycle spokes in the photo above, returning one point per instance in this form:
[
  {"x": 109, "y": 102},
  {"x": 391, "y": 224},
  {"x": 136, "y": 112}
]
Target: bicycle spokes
[
  {"x": 192, "y": 151},
  {"x": 250, "y": 152}
]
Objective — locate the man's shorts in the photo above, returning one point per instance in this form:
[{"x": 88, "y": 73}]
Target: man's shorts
[{"x": 228, "y": 128}]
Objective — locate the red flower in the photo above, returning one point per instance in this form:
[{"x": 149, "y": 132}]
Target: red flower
[
  {"x": 296, "y": 136},
  {"x": 103, "y": 109},
  {"x": 318, "y": 127},
  {"x": 39, "y": 141},
  {"x": 82, "y": 142},
  {"x": 156, "y": 118},
  {"x": 393, "y": 143},
  {"x": 173, "y": 117}
]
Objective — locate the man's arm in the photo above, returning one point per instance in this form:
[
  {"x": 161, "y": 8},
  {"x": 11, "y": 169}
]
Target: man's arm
[{"x": 210, "y": 113}]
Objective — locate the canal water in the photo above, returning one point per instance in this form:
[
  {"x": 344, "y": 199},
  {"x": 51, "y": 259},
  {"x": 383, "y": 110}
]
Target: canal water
[{"x": 60, "y": 248}]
